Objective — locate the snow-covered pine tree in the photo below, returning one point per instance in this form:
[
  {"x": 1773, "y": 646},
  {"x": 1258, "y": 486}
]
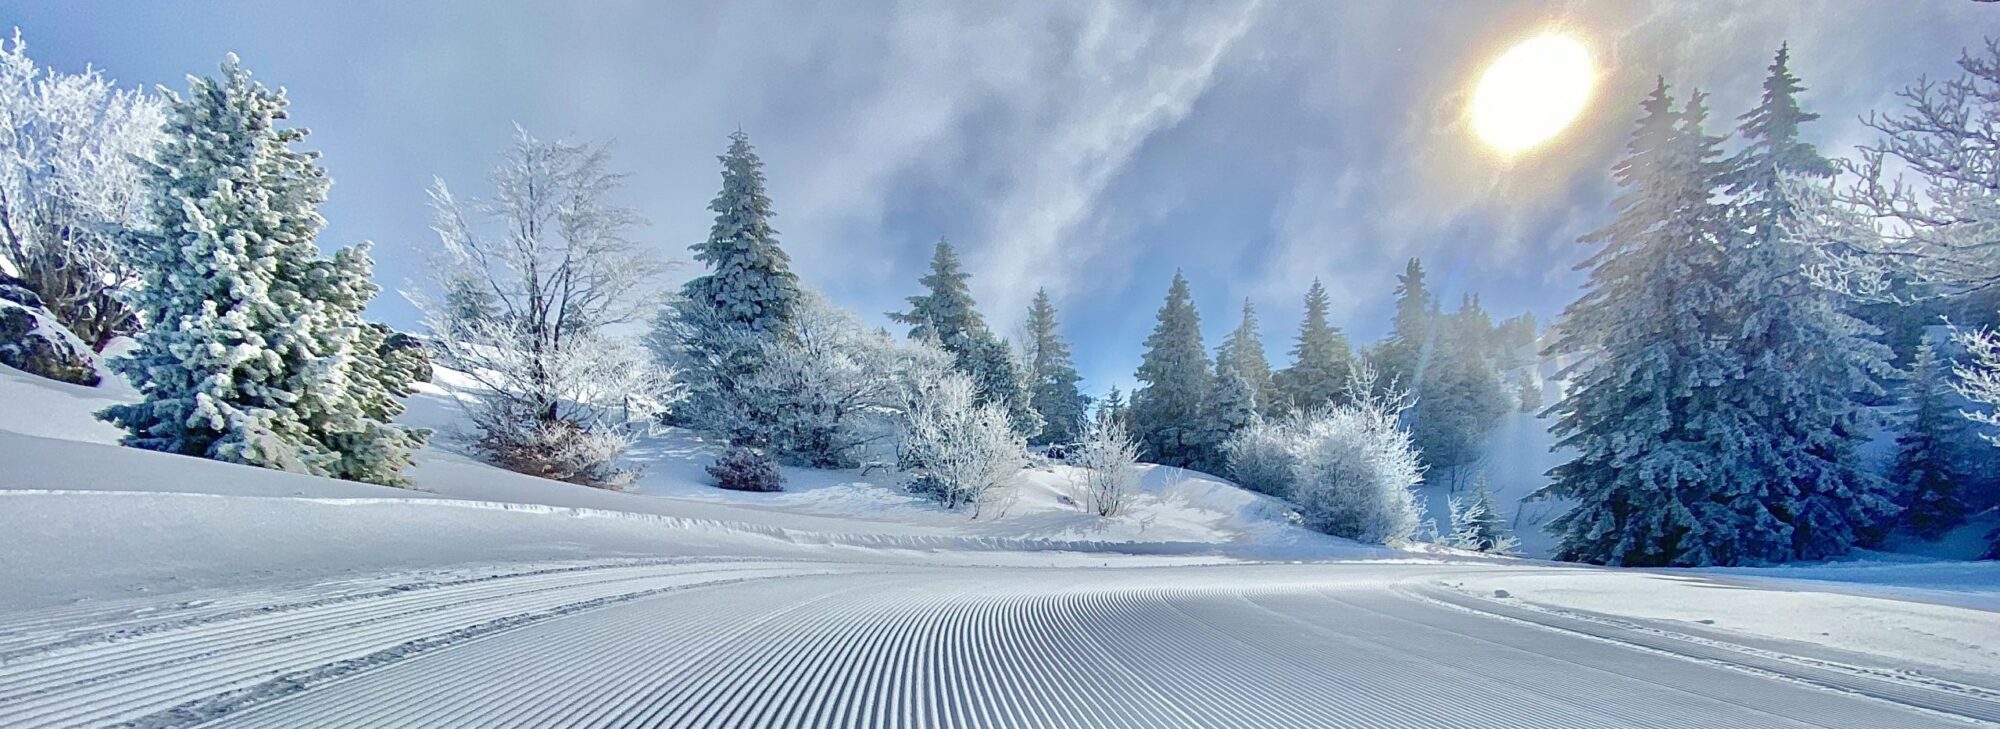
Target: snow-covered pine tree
[
  {"x": 749, "y": 280},
  {"x": 1657, "y": 477},
  {"x": 254, "y": 351},
  {"x": 1229, "y": 408},
  {"x": 715, "y": 333},
  {"x": 1321, "y": 360},
  {"x": 1807, "y": 362},
  {"x": 1166, "y": 410},
  {"x": 945, "y": 314},
  {"x": 1404, "y": 356},
  {"x": 1002, "y": 381},
  {"x": 1477, "y": 526},
  {"x": 1052, "y": 377},
  {"x": 1114, "y": 407},
  {"x": 1462, "y": 396},
  {"x": 1931, "y": 462},
  {"x": 1528, "y": 391},
  {"x": 1244, "y": 351}
]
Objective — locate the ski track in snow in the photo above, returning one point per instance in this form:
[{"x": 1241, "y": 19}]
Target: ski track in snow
[{"x": 723, "y": 642}]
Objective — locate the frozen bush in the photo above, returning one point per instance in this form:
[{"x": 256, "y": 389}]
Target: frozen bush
[
  {"x": 1353, "y": 475},
  {"x": 744, "y": 469},
  {"x": 562, "y": 450},
  {"x": 1104, "y": 480},
  {"x": 954, "y": 451},
  {"x": 1262, "y": 458}
]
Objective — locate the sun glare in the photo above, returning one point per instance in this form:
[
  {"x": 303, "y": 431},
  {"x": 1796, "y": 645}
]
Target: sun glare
[{"x": 1531, "y": 92}]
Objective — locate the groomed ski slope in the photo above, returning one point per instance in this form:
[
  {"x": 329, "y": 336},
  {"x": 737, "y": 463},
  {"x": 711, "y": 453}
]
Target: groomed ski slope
[
  {"x": 724, "y": 642},
  {"x": 147, "y": 590}
]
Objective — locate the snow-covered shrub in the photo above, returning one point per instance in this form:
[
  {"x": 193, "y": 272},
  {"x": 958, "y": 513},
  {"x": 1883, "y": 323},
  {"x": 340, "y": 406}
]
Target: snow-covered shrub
[
  {"x": 1354, "y": 474},
  {"x": 561, "y": 450},
  {"x": 1104, "y": 480},
  {"x": 1476, "y": 526},
  {"x": 744, "y": 469},
  {"x": 953, "y": 450},
  {"x": 72, "y": 154},
  {"x": 830, "y": 389},
  {"x": 1263, "y": 458},
  {"x": 525, "y": 314}
]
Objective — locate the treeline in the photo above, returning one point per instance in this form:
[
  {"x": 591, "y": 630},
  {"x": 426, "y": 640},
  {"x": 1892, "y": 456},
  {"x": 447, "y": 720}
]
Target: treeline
[{"x": 1725, "y": 360}]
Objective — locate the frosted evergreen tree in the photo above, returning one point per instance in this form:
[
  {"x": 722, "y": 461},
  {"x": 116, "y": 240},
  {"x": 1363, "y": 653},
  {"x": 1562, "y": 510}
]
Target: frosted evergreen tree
[
  {"x": 1229, "y": 408},
  {"x": 1404, "y": 355},
  {"x": 1528, "y": 391},
  {"x": 1477, "y": 526},
  {"x": 945, "y": 314},
  {"x": 1657, "y": 474},
  {"x": 945, "y": 311},
  {"x": 1052, "y": 377},
  {"x": 715, "y": 332},
  {"x": 1167, "y": 408},
  {"x": 255, "y": 351},
  {"x": 1806, "y": 361},
  {"x": 1321, "y": 359},
  {"x": 1931, "y": 463},
  {"x": 1462, "y": 396},
  {"x": 749, "y": 281},
  {"x": 1244, "y": 351},
  {"x": 1114, "y": 408}
]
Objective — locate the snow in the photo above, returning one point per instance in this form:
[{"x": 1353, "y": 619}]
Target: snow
[{"x": 165, "y": 591}]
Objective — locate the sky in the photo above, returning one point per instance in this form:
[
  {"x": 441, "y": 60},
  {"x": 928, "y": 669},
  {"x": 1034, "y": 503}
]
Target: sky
[{"x": 1090, "y": 148}]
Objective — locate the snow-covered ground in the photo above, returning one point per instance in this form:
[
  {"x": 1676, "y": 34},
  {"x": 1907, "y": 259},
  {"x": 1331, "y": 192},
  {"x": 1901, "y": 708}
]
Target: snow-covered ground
[{"x": 158, "y": 590}]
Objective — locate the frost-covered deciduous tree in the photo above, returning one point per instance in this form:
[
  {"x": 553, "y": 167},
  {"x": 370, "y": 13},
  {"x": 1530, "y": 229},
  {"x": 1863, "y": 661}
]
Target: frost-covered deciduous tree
[
  {"x": 1052, "y": 377},
  {"x": 1105, "y": 479},
  {"x": 954, "y": 450},
  {"x": 1657, "y": 475},
  {"x": 1262, "y": 457},
  {"x": 1321, "y": 360},
  {"x": 1355, "y": 471},
  {"x": 1166, "y": 410},
  {"x": 1477, "y": 526},
  {"x": 1931, "y": 463},
  {"x": 255, "y": 351},
  {"x": 72, "y": 152},
  {"x": 560, "y": 391},
  {"x": 1807, "y": 363}
]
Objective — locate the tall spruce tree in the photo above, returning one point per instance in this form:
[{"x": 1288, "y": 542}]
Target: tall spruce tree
[
  {"x": 1931, "y": 466},
  {"x": 749, "y": 281},
  {"x": 1229, "y": 407},
  {"x": 1244, "y": 351},
  {"x": 1321, "y": 359},
  {"x": 254, "y": 350},
  {"x": 1405, "y": 354},
  {"x": 1167, "y": 407},
  {"x": 715, "y": 334},
  {"x": 1052, "y": 377},
  {"x": 1806, "y": 361},
  {"x": 1656, "y": 477},
  {"x": 1462, "y": 395},
  {"x": 945, "y": 313}
]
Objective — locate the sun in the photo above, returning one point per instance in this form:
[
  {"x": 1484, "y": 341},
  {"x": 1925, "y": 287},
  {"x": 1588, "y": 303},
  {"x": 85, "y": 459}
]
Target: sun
[{"x": 1531, "y": 92}]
